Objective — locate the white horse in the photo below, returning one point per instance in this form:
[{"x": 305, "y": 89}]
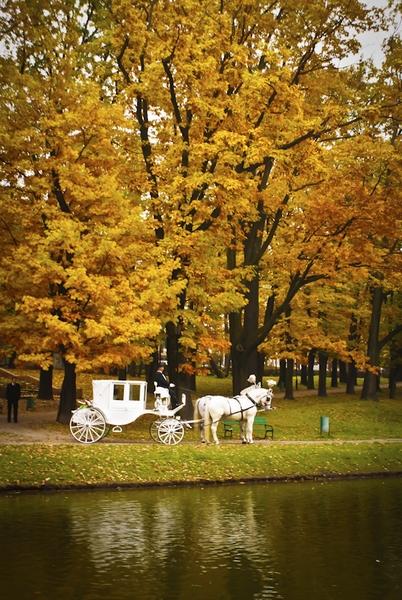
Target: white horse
[{"x": 243, "y": 408}]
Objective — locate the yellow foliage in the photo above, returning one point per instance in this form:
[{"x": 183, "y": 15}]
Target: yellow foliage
[{"x": 162, "y": 161}]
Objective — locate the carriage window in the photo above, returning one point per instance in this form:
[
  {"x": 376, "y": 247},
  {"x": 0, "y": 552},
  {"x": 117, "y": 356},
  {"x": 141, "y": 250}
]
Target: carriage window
[
  {"x": 134, "y": 393},
  {"x": 118, "y": 392}
]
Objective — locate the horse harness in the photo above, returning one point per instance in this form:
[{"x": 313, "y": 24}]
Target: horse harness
[{"x": 242, "y": 410}]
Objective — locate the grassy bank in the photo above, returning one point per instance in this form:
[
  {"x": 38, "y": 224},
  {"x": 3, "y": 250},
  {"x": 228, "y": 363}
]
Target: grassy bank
[{"x": 61, "y": 466}]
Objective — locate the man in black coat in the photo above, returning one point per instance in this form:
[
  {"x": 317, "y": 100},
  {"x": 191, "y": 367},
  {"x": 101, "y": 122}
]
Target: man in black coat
[
  {"x": 162, "y": 381},
  {"x": 13, "y": 395}
]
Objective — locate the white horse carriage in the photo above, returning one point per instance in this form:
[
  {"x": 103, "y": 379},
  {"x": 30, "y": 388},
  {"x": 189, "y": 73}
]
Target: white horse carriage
[{"x": 117, "y": 403}]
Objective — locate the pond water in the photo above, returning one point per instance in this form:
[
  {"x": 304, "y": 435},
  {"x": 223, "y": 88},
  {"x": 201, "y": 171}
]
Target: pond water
[{"x": 313, "y": 541}]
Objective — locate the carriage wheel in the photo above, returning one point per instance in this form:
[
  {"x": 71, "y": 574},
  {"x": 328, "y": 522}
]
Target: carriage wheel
[
  {"x": 170, "y": 431},
  {"x": 88, "y": 425},
  {"x": 153, "y": 429}
]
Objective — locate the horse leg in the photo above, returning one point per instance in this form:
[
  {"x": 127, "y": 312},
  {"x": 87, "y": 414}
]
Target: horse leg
[
  {"x": 204, "y": 425},
  {"x": 214, "y": 427},
  {"x": 249, "y": 430},
  {"x": 199, "y": 420},
  {"x": 202, "y": 433},
  {"x": 242, "y": 432}
]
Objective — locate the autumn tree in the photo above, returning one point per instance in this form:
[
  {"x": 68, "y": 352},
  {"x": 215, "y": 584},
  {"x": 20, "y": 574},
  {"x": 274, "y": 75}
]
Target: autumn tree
[
  {"x": 81, "y": 271},
  {"x": 385, "y": 279},
  {"x": 219, "y": 149},
  {"x": 241, "y": 109}
]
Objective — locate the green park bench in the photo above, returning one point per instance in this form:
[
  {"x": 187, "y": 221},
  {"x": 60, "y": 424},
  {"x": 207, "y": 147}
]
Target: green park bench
[{"x": 261, "y": 427}]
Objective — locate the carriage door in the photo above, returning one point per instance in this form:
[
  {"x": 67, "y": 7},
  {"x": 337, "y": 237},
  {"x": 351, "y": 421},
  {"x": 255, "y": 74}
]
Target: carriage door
[
  {"x": 118, "y": 405},
  {"x": 126, "y": 402},
  {"x": 118, "y": 393},
  {"x": 136, "y": 397}
]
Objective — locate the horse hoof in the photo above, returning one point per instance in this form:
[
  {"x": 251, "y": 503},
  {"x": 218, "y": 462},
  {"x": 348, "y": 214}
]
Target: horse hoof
[{"x": 244, "y": 442}]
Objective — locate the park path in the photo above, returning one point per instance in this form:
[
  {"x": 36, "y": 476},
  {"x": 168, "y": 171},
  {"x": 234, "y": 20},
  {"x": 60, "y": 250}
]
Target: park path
[{"x": 39, "y": 427}]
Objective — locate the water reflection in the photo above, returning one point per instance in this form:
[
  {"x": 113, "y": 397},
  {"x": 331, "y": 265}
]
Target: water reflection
[{"x": 296, "y": 541}]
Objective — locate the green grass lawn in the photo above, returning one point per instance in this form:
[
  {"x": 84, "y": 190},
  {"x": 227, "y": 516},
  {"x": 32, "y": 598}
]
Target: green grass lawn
[
  {"x": 139, "y": 464},
  {"x": 349, "y": 418}
]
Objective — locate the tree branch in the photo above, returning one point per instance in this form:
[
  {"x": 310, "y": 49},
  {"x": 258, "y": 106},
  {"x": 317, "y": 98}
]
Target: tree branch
[
  {"x": 385, "y": 340},
  {"x": 8, "y": 228},
  {"x": 58, "y": 192},
  {"x": 120, "y": 59}
]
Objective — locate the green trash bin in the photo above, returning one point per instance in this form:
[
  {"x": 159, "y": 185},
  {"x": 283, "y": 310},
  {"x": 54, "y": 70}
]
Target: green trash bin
[
  {"x": 324, "y": 425},
  {"x": 30, "y": 403}
]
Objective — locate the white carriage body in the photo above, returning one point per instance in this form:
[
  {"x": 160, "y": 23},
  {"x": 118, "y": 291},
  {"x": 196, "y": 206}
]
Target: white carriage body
[{"x": 122, "y": 402}]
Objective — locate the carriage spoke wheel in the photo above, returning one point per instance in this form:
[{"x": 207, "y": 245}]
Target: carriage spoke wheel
[
  {"x": 88, "y": 425},
  {"x": 153, "y": 429},
  {"x": 170, "y": 432}
]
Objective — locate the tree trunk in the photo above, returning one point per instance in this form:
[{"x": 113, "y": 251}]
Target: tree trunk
[
  {"x": 134, "y": 370},
  {"x": 303, "y": 375},
  {"x": 289, "y": 379},
  {"x": 221, "y": 369},
  {"x": 282, "y": 374},
  {"x": 395, "y": 368},
  {"x": 245, "y": 358},
  {"x": 395, "y": 374},
  {"x": 243, "y": 365},
  {"x": 68, "y": 393},
  {"x": 187, "y": 381},
  {"x": 227, "y": 364},
  {"x": 322, "y": 374},
  {"x": 45, "y": 391},
  {"x": 343, "y": 375},
  {"x": 334, "y": 373},
  {"x": 351, "y": 375},
  {"x": 172, "y": 351},
  {"x": 260, "y": 367},
  {"x": 215, "y": 368},
  {"x": 11, "y": 361},
  {"x": 175, "y": 360},
  {"x": 370, "y": 384},
  {"x": 150, "y": 370},
  {"x": 392, "y": 379},
  {"x": 351, "y": 378},
  {"x": 310, "y": 370},
  {"x": 122, "y": 373}
]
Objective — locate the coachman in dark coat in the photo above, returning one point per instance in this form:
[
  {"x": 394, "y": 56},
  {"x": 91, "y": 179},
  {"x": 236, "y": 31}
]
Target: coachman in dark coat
[{"x": 162, "y": 381}]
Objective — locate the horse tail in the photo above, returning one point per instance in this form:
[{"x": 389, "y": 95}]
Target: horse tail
[
  {"x": 207, "y": 422},
  {"x": 197, "y": 414}
]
